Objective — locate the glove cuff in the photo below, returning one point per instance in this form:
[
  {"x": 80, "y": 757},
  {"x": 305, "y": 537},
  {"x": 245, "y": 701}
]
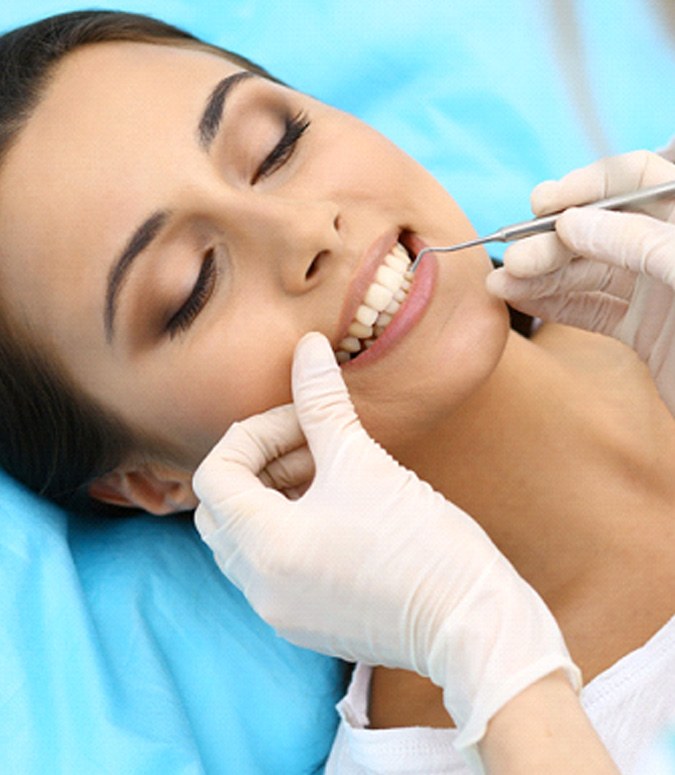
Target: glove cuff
[
  {"x": 473, "y": 730},
  {"x": 501, "y": 639}
]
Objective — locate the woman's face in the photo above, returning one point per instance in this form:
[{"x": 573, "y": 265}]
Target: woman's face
[{"x": 170, "y": 231}]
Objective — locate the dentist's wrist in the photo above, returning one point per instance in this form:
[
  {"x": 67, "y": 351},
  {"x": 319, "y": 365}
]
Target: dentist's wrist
[{"x": 544, "y": 729}]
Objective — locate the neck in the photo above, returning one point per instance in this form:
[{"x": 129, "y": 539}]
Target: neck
[
  {"x": 567, "y": 459},
  {"x": 561, "y": 449}
]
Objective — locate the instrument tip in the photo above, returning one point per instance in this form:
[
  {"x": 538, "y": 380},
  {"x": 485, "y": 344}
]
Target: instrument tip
[{"x": 418, "y": 258}]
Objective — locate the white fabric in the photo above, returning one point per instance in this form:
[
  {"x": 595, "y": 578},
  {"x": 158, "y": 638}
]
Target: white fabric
[{"x": 628, "y": 704}]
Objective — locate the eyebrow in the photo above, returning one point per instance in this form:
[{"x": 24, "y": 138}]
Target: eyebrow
[
  {"x": 139, "y": 241},
  {"x": 149, "y": 230},
  {"x": 213, "y": 112}
]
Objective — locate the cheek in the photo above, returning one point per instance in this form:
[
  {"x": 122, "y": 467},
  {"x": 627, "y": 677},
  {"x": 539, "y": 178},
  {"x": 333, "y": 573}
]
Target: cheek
[
  {"x": 231, "y": 380},
  {"x": 352, "y": 157}
]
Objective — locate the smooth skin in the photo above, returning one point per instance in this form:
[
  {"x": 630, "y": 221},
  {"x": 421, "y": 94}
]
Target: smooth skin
[
  {"x": 542, "y": 730},
  {"x": 102, "y": 154},
  {"x": 560, "y": 446}
]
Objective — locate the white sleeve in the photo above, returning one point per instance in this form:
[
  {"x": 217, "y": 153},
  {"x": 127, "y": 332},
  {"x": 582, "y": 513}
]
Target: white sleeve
[{"x": 358, "y": 750}]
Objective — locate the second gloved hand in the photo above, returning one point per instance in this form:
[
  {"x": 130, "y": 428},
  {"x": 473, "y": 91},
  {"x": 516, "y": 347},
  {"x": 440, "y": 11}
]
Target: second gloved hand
[
  {"x": 371, "y": 563},
  {"x": 611, "y": 272}
]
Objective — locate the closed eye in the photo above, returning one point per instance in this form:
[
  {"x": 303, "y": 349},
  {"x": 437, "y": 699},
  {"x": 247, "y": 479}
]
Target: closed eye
[
  {"x": 295, "y": 127},
  {"x": 199, "y": 296}
]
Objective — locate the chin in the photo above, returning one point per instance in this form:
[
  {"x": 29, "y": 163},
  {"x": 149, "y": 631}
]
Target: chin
[{"x": 444, "y": 360}]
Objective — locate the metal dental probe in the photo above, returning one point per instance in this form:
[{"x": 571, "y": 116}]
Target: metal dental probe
[{"x": 523, "y": 229}]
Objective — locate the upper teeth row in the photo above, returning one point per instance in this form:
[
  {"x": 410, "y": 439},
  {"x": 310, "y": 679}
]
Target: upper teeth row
[{"x": 382, "y": 300}]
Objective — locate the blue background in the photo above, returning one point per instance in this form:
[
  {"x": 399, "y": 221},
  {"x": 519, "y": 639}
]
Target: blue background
[
  {"x": 122, "y": 648},
  {"x": 491, "y": 95}
]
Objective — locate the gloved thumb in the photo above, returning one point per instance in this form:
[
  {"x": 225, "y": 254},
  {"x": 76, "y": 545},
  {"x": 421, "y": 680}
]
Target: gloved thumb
[{"x": 324, "y": 408}]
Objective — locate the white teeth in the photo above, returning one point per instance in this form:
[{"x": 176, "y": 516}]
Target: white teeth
[
  {"x": 378, "y": 297},
  {"x": 351, "y": 344},
  {"x": 360, "y": 331},
  {"x": 402, "y": 253},
  {"x": 382, "y": 301},
  {"x": 389, "y": 278},
  {"x": 366, "y": 315},
  {"x": 395, "y": 261}
]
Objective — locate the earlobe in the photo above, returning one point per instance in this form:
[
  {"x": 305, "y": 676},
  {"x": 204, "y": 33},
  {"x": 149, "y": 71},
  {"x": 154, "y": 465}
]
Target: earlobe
[{"x": 155, "y": 488}]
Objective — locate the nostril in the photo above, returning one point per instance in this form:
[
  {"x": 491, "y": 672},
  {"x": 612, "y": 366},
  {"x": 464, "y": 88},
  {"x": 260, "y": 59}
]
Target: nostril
[{"x": 314, "y": 266}]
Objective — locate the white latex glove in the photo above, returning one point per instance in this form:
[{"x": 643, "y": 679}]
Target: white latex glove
[
  {"x": 612, "y": 272},
  {"x": 370, "y": 563}
]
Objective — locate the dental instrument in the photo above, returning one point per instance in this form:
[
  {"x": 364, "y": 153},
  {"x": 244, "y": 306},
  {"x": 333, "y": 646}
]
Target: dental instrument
[{"x": 546, "y": 223}]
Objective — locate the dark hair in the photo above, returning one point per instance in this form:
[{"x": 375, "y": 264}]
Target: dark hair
[{"x": 53, "y": 438}]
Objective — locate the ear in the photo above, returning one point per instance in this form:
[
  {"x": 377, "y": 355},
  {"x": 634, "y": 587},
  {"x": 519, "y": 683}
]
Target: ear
[{"x": 153, "y": 487}]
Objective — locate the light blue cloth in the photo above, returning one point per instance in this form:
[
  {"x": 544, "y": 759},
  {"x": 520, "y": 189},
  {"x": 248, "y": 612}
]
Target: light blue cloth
[{"x": 122, "y": 648}]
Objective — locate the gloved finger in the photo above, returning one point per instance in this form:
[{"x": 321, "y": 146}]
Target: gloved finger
[
  {"x": 536, "y": 255},
  {"x": 233, "y": 466},
  {"x": 601, "y": 179},
  {"x": 581, "y": 274},
  {"x": 590, "y": 311},
  {"x": 668, "y": 151},
  {"x": 321, "y": 398},
  {"x": 649, "y": 325},
  {"x": 290, "y": 472},
  {"x": 233, "y": 541},
  {"x": 632, "y": 240},
  {"x": 296, "y": 492},
  {"x": 237, "y": 511}
]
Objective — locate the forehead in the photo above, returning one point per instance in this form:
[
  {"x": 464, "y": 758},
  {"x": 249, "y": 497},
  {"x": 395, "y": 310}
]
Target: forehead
[
  {"x": 116, "y": 122},
  {"x": 109, "y": 103},
  {"x": 129, "y": 68},
  {"x": 126, "y": 91}
]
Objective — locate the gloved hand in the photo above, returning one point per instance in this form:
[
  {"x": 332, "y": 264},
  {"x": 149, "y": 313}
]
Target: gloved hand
[
  {"x": 612, "y": 272},
  {"x": 371, "y": 563}
]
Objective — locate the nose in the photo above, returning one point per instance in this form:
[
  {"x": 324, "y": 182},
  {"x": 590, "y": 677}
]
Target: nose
[{"x": 294, "y": 239}]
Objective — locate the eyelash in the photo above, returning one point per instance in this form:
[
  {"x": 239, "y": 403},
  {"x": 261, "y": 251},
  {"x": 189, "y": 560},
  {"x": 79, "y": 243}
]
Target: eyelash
[
  {"x": 296, "y": 126},
  {"x": 203, "y": 288},
  {"x": 181, "y": 320}
]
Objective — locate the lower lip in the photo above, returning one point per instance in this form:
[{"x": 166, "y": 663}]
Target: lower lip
[{"x": 406, "y": 318}]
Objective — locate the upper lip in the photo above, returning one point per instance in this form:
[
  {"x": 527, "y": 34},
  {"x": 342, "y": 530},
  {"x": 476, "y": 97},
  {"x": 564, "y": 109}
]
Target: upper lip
[{"x": 371, "y": 260}]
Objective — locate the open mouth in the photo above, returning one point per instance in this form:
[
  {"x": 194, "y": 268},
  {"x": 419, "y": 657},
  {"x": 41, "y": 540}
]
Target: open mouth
[{"x": 381, "y": 302}]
